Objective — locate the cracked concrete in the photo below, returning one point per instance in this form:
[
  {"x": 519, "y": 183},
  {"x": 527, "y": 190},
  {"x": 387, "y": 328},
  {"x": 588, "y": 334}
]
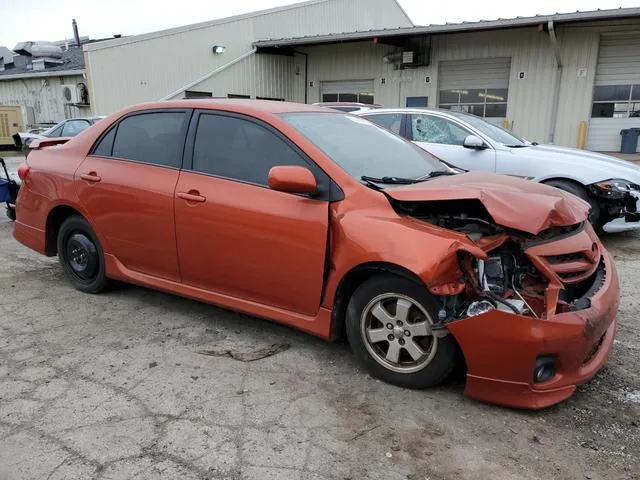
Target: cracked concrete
[{"x": 112, "y": 386}]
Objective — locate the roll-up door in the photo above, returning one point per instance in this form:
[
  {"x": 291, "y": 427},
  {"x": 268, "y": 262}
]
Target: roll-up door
[
  {"x": 348, "y": 91},
  {"x": 616, "y": 94},
  {"x": 479, "y": 86}
]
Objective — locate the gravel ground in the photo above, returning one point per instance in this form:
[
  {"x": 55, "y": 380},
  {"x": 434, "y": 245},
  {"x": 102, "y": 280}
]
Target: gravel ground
[{"x": 118, "y": 385}]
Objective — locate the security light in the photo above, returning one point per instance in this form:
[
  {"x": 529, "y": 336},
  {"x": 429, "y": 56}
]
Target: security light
[{"x": 218, "y": 49}]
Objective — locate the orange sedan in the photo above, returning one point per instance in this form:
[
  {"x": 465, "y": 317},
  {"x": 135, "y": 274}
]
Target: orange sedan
[{"x": 325, "y": 222}]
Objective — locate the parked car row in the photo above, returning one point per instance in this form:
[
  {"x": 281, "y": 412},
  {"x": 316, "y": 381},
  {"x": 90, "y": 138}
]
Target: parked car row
[{"x": 329, "y": 223}]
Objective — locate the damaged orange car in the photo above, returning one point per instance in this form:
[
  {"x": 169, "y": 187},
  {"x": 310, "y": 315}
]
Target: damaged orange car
[{"x": 323, "y": 221}]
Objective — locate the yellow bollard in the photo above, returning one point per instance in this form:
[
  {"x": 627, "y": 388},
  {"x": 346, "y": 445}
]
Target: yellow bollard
[{"x": 582, "y": 135}]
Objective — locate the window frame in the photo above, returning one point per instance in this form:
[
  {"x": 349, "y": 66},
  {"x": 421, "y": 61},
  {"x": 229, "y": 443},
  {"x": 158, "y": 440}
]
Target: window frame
[
  {"x": 403, "y": 120},
  {"x": 484, "y": 104},
  {"x": 409, "y": 127},
  {"x": 114, "y": 126},
  {"x": 630, "y": 101},
  {"x": 328, "y": 189}
]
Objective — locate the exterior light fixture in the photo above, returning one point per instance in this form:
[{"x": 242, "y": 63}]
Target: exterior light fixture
[{"x": 218, "y": 49}]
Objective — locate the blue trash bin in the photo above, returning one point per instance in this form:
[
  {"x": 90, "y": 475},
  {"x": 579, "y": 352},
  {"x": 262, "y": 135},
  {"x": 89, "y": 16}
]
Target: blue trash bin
[{"x": 629, "y": 141}]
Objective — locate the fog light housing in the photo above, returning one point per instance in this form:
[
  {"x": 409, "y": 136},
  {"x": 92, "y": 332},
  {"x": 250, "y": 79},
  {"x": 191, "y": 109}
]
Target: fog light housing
[{"x": 544, "y": 370}]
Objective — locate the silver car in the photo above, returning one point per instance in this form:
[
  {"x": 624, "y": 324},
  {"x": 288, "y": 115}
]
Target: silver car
[
  {"x": 610, "y": 185},
  {"x": 66, "y": 128}
]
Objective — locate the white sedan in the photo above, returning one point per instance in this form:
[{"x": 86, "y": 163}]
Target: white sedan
[{"x": 610, "y": 185}]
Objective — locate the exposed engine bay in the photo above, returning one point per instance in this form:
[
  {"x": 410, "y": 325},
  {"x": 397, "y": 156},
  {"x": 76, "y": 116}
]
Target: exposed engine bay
[{"x": 532, "y": 275}]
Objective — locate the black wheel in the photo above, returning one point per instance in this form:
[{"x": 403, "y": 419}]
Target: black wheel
[
  {"x": 388, "y": 325},
  {"x": 579, "y": 191},
  {"x": 11, "y": 213},
  {"x": 81, "y": 256}
]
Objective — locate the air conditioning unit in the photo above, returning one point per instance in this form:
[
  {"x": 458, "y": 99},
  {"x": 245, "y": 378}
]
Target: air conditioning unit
[{"x": 70, "y": 94}]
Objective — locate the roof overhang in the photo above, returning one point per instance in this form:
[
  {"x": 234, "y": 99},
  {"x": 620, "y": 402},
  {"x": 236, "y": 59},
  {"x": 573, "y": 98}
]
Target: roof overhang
[
  {"x": 400, "y": 35},
  {"x": 45, "y": 74}
]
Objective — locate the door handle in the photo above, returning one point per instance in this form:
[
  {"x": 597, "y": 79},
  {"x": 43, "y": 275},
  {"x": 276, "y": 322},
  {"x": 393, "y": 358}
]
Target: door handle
[
  {"x": 90, "y": 177},
  {"x": 191, "y": 196}
]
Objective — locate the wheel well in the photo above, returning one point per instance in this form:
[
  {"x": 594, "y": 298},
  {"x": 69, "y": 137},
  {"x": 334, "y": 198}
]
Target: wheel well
[
  {"x": 566, "y": 180},
  {"x": 54, "y": 220},
  {"x": 352, "y": 280}
]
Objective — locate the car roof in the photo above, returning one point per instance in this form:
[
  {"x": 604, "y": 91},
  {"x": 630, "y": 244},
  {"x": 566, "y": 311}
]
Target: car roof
[
  {"x": 232, "y": 105},
  {"x": 409, "y": 110}
]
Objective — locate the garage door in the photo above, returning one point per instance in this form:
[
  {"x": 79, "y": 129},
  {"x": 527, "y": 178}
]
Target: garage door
[
  {"x": 479, "y": 86},
  {"x": 348, "y": 91},
  {"x": 616, "y": 94}
]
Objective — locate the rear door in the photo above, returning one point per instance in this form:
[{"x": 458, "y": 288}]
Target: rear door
[
  {"x": 127, "y": 186},
  {"x": 235, "y": 235},
  {"x": 444, "y": 139}
]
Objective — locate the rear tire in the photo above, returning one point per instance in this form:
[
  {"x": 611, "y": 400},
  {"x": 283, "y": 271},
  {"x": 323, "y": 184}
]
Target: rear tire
[
  {"x": 579, "y": 191},
  {"x": 81, "y": 255},
  {"x": 388, "y": 325}
]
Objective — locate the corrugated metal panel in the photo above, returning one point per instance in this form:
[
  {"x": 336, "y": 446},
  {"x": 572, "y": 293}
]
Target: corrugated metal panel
[
  {"x": 154, "y": 66},
  {"x": 604, "y": 133},
  {"x": 475, "y": 73},
  {"x": 42, "y": 94},
  {"x": 260, "y": 75},
  {"x": 619, "y": 60}
]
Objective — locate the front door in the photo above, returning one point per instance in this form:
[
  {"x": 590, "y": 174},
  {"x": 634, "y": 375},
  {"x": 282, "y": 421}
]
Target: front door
[
  {"x": 444, "y": 139},
  {"x": 235, "y": 235},
  {"x": 127, "y": 186}
]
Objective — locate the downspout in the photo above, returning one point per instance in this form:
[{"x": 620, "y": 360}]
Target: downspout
[
  {"x": 556, "y": 90},
  {"x": 209, "y": 75},
  {"x": 306, "y": 75}
]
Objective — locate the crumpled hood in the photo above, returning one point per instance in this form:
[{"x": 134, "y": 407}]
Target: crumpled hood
[{"x": 512, "y": 202}]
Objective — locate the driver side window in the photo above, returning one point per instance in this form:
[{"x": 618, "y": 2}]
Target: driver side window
[{"x": 430, "y": 129}]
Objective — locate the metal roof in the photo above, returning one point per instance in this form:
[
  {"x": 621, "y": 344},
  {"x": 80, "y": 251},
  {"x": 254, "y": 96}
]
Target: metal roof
[
  {"x": 500, "y": 23},
  {"x": 72, "y": 60}
]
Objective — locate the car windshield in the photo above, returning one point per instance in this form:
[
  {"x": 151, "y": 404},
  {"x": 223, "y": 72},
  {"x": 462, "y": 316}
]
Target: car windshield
[
  {"x": 362, "y": 148},
  {"x": 494, "y": 132}
]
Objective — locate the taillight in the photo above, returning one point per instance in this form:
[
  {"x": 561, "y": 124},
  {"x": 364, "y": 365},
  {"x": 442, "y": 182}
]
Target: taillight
[{"x": 23, "y": 171}]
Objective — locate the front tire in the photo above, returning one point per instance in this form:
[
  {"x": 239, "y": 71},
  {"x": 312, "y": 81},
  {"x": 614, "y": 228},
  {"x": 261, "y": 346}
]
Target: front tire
[
  {"x": 579, "y": 191},
  {"x": 81, "y": 255},
  {"x": 389, "y": 327}
]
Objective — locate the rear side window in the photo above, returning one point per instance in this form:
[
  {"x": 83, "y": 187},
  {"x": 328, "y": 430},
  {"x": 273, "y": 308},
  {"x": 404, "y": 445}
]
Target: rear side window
[
  {"x": 156, "y": 138},
  {"x": 240, "y": 149},
  {"x": 390, "y": 121},
  {"x": 105, "y": 145}
]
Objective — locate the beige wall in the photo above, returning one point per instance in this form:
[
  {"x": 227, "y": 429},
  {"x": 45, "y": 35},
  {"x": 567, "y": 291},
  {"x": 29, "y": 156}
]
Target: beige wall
[{"x": 43, "y": 95}]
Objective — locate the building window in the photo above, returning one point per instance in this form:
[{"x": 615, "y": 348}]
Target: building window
[
  {"x": 271, "y": 98},
  {"x": 616, "y": 101},
  {"x": 195, "y": 94},
  {"x": 235, "y": 95},
  {"x": 483, "y": 102},
  {"x": 364, "y": 97}
]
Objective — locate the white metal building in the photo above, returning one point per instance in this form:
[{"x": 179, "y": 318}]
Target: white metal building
[
  {"x": 184, "y": 61},
  {"x": 546, "y": 77}
]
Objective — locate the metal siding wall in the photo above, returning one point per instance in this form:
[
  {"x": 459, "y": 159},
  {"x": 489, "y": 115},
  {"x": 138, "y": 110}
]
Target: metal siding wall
[
  {"x": 259, "y": 75},
  {"x": 529, "y": 104},
  {"x": 150, "y": 68},
  {"x": 43, "y": 94}
]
